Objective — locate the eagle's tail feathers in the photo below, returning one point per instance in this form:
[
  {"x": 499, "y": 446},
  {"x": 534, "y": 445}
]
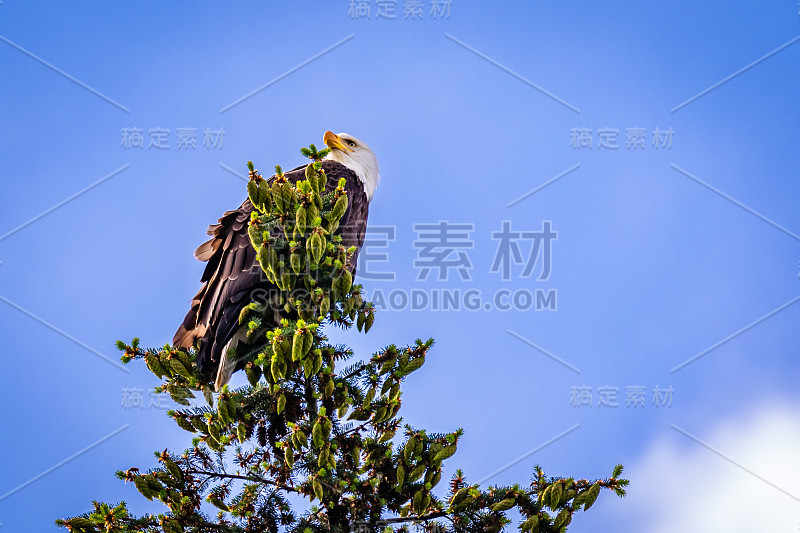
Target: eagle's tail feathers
[
  {"x": 229, "y": 359},
  {"x": 225, "y": 370}
]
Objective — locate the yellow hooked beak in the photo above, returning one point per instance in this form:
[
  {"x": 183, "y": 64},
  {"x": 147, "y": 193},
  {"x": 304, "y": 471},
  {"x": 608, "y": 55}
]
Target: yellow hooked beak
[{"x": 334, "y": 141}]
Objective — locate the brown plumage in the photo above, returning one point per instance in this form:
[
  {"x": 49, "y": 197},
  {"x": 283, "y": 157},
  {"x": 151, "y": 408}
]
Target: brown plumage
[{"x": 233, "y": 278}]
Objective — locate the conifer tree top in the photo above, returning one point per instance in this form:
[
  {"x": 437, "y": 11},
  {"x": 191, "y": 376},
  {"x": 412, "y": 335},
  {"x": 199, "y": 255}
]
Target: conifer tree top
[{"x": 311, "y": 423}]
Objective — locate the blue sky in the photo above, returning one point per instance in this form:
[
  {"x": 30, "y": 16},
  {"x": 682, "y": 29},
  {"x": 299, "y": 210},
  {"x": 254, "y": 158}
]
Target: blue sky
[{"x": 664, "y": 249}]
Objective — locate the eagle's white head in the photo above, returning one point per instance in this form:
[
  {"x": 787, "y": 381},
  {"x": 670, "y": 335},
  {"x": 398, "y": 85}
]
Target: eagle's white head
[{"x": 357, "y": 156}]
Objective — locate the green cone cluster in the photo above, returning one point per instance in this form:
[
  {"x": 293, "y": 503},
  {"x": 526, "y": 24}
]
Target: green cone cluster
[
  {"x": 310, "y": 424},
  {"x": 293, "y": 230}
]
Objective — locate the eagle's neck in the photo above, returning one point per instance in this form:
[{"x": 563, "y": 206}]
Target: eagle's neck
[{"x": 365, "y": 168}]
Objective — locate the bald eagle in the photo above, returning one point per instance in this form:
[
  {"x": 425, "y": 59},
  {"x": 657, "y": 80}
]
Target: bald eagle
[{"x": 233, "y": 276}]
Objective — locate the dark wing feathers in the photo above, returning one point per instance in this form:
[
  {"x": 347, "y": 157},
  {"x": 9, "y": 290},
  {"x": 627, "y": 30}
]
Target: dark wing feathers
[
  {"x": 233, "y": 277},
  {"x": 354, "y": 222},
  {"x": 206, "y": 250}
]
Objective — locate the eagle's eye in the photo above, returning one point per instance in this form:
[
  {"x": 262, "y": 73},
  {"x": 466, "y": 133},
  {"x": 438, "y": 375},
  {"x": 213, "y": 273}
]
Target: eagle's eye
[{"x": 352, "y": 143}]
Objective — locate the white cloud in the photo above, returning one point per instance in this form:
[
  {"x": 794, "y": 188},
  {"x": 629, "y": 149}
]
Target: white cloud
[{"x": 680, "y": 485}]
